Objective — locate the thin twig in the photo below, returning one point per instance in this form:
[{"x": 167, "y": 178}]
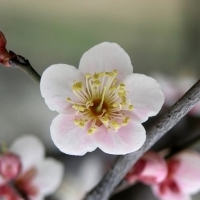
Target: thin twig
[
  {"x": 23, "y": 64},
  {"x": 124, "y": 163}
]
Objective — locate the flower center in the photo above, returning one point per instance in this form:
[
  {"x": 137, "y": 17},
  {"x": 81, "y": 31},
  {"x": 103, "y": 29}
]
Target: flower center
[
  {"x": 97, "y": 109},
  {"x": 102, "y": 100}
]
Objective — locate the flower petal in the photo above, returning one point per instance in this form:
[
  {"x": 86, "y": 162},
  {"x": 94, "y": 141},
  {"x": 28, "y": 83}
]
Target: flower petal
[
  {"x": 30, "y": 150},
  {"x": 56, "y": 86},
  {"x": 49, "y": 176},
  {"x": 2, "y": 181},
  {"x": 168, "y": 194},
  {"x": 187, "y": 174},
  {"x": 70, "y": 138},
  {"x": 106, "y": 57},
  {"x": 155, "y": 169},
  {"x": 145, "y": 95},
  {"x": 127, "y": 139}
]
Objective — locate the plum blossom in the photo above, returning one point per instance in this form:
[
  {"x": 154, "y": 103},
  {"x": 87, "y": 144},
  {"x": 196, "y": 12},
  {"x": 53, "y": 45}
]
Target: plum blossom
[
  {"x": 150, "y": 169},
  {"x": 25, "y": 172},
  {"x": 183, "y": 178},
  {"x": 101, "y": 104}
]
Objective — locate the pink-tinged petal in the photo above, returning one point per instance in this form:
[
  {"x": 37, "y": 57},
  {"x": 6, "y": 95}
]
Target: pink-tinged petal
[
  {"x": 168, "y": 194},
  {"x": 70, "y": 138},
  {"x": 30, "y": 150},
  {"x": 145, "y": 95},
  {"x": 127, "y": 139},
  {"x": 49, "y": 176},
  {"x": 155, "y": 168},
  {"x": 2, "y": 181},
  {"x": 56, "y": 86},
  {"x": 150, "y": 169},
  {"x": 187, "y": 173},
  {"x": 106, "y": 57}
]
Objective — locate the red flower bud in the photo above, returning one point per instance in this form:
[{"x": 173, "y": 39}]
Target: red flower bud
[
  {"x": 2, "y": 40},
  {"x": 10, "y": 166},
  {"x": 5, "y": 56}
]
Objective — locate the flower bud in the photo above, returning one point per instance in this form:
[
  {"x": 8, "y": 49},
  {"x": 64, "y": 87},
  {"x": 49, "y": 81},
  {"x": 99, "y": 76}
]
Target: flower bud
[
  {"x": 10, "y": 166},
  {"x": 2, "y": 40},
  {"x": 5, "y": 56},
  {"x": 150, "y": 169}
]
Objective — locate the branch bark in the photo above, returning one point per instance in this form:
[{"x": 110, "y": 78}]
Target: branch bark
[
  {"x": 23, "y": 64},
  {"x": 124, "y": 163}
]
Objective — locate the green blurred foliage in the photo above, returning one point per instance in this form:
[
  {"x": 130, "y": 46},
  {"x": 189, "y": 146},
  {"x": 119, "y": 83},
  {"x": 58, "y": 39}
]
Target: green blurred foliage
[{"x": 152, "y": 32}]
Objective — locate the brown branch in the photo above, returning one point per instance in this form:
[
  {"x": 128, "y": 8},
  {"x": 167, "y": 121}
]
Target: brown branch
[
  {"x": 124, "y": 163},
  {"x": 23, "y": 64}
]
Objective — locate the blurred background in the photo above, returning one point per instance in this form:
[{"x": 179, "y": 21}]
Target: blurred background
[{"x": 161, "y": 37}]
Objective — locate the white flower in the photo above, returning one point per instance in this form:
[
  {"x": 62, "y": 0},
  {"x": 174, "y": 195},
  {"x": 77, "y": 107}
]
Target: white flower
[
  {"x": 102, "y": 104},
  {"x": 38, "y": 177}
]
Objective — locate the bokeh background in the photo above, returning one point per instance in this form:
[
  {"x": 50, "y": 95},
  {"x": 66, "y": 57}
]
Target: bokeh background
[{"x": 161, "y": 37}]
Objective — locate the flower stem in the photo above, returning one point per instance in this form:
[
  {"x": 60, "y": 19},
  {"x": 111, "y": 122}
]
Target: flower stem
[{"x": 23, "y": 64}]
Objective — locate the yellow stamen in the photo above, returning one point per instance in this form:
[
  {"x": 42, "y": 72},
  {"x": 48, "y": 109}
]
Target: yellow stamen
[
  {"x": 69, "y": 100},
  {"x": 105, "y": 119},
  {"x": 130, "y": 107},
  {"x": 77, "y": 86},
  {"x": 101, "y": 100},
  {"x": 79, "y": 122},
  {"x": 115, "y": 125},
  {"x": 125, "y": 121},
  {"x": 115, "y": 105},
  {"x": 88, "y": 75},
  {"x": 92, "y": 130}
]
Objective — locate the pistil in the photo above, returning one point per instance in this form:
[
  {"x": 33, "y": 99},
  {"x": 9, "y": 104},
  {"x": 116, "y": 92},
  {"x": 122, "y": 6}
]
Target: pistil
[{"x": 99, "y": 108}]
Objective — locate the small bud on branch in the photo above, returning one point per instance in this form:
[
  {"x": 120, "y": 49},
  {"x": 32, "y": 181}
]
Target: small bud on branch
[
  {"x": 10, "y": 166},
  {"x": 10, "y": 59},
  {"x": 5, "y": 56}
]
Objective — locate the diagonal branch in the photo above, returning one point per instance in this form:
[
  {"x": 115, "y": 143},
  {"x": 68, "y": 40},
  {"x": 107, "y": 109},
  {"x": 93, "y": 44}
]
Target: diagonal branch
[{"x": 124, "y": 163}]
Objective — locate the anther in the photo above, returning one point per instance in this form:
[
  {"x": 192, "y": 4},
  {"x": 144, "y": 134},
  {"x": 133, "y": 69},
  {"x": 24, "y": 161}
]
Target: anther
[
  {"x": 88, "y": 75},
  {"x": 77, "y": 86},
  {"x": 130, "y": 107},
  {"x": 92, "y": 130},
  {"x": 68, "y": 99}
]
